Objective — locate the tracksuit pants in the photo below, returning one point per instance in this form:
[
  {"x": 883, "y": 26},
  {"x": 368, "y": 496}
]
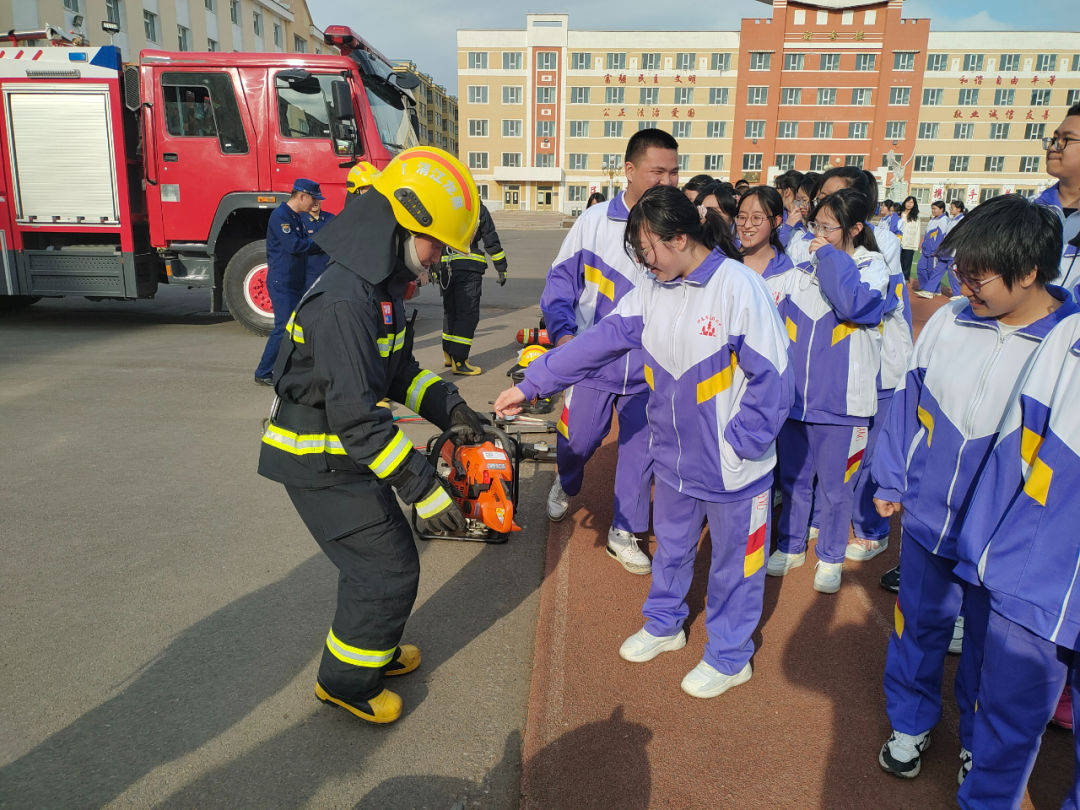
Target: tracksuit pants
[
  {"x": 832, "y": 453},
  {"x": 461, "y": 311},
  {"x": 868, "y": 524},
  {"x": 283, "y": 298},
  {"x": 1022, "y": 678},
  {"x": 361, "y": 528},
  {"x": 931, "y": 279},
  {"x": 585, "y": 422},
  {"x": 929, "y": 601},
  {"x": 736, "y": 587}
]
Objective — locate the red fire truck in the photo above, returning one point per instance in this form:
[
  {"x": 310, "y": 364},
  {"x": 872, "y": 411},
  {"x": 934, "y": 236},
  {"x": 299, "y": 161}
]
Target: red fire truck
[{"x": 115, "y": 178}]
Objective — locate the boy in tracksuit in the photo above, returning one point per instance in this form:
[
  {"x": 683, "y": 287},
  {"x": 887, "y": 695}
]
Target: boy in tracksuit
[
  {"x": 1020, "y": 543},
  {"x": 930, "y": 269},
  {"x": 939, "y": 433}
]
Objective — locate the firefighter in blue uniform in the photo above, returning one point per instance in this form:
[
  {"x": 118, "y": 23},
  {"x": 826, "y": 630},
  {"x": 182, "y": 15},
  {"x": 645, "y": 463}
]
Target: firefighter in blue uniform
[
  {"x": 343, "y": 461},
  {"x": 314, "y": 220},
  {"x": 287, "y": 248}
]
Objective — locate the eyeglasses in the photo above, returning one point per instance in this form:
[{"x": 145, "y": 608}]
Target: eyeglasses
[
  {"x": 756, "y": 220},
  {"x": 1057, "y": 144},
  {"x": 972, "y": 284},
  {"x": 823, "y": 230},
  {"x": 642, "y": 256}
]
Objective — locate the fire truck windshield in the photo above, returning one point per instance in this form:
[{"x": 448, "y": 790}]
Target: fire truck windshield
[{"x": 388, "y": 106}]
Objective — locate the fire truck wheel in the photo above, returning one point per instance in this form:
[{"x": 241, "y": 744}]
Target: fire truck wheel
[
  {"x": 245, "y": 288},
  {"x": 13, "y": 303}
]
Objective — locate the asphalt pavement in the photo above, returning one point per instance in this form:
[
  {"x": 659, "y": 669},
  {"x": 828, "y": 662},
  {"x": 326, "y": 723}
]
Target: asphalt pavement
[{"x": 165, "y": 608}]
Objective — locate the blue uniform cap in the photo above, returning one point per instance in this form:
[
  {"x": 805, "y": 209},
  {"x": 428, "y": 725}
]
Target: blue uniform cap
[{"x": 309, "y": 187}]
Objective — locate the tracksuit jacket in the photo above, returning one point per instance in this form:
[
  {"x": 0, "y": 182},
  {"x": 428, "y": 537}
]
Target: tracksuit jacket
[
  {"x": 892, "y": 222},
  {"x": 945, "y": 416},
  {"x": 928, "y": 267},
  {"x": 716, "y": 363},
  {"x": 832, "y": 307},
  {"x": 585, "y": 283},
  {"x": 1069, "y": 274}
]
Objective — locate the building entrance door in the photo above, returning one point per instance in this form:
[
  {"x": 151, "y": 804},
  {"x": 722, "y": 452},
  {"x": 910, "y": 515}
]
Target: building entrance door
[
  {"x": 543, "y": 198},
  {"x": 512, "y": 198}
]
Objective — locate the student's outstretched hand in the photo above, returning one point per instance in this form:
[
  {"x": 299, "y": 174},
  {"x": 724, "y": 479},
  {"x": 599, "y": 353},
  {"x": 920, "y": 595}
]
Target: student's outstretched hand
[
  {"x": 509, "y": 402},
  {"x": 886, "y": 508}
]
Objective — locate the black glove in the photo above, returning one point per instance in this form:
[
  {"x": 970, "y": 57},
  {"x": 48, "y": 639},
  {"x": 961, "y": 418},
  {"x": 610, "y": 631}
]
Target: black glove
[
  {"x": 502, "y": 277},
  {"x": 462, "y": 414},
  {"x": 447, "y": 517}
]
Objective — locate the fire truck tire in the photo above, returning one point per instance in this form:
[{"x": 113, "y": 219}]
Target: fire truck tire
[
  {"x": 14, "y": 303},
  {"x": 245, "y": 288}
]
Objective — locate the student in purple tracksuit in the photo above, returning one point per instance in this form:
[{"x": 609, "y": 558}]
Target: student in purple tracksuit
[
  {"x": 588, "y": 278},
  {"x": 935, "y": 442},
  {"x": 930, "y": 270},
  {"x": 1063, "y": 162},
  {"x": 716, "y": 360},
  {"x": 832, "y": 307},
  {"x": 757, "y": 221},
  {"x": 1020, "y": 543}
]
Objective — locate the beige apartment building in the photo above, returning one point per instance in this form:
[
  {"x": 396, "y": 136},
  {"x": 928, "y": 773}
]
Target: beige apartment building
[
  {"x": 437, "y": 110},
  {"x": 545, "y": 111}
]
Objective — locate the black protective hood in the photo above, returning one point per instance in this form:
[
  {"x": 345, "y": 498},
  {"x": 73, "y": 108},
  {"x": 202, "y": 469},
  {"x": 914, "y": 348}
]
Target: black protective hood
[{"x": 365, "y": 238}]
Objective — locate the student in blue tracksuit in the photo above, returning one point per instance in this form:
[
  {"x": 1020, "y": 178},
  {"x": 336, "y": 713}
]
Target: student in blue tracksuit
[
  {"x": 758, "y": 219},
  {"x": 890, "y": 217},
  {"x": 314, "y": 220},
  {"x": 720, "y": 387},
  {"x": 1063, "y": 162},
  {"x": 930, "y": 270},
  {"x": 1020, "y": 543},
  {"x": 787, "y": 184},
  {"x": 935, "y": 442}
]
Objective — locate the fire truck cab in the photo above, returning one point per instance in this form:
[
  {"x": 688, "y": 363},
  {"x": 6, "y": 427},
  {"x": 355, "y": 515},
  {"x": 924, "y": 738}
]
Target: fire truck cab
[{"x": 115, "y": 178}]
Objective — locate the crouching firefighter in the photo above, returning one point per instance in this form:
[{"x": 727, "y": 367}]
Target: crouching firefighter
[{"x": 339, "y": 454}]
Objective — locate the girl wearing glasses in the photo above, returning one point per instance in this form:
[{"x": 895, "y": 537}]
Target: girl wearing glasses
[
  {"x": 757, "y": 223},
  {"x": 1063, "y": 162},
  {"x": 832, "y": 306},
  {"x": 716, "y": 362}
]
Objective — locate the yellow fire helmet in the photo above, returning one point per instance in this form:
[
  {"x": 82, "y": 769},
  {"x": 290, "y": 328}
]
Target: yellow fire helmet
[
  {"x": 433, "y": 193},
  {"x": 361, "y": 175},
  {"x": 530, "y": 353}
]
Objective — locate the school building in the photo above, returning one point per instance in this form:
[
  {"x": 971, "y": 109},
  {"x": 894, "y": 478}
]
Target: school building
[{"x": 545, "y": 111}]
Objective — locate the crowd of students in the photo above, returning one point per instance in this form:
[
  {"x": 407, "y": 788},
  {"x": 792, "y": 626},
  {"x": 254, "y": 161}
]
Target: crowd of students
[{"x": 758, "y": 340}]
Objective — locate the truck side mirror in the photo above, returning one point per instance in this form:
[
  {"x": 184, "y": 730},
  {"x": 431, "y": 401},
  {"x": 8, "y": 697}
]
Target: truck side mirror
[
  {"x": 343, "y": 108},
  {"x": 406, "y": 80}
]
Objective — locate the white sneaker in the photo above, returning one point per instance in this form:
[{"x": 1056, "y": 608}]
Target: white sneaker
[
  {"x": 858, "y": 552},
  {"x": 956, "y": 646},
  {"x": 644, "y": 646},
  {"x": 902, "y": 753},
  {"x": 622, "y": 545},
  {"x": 780, "y": 562},
  {"x": 705, "y": 681},
  {"x": 812, "y": 535},
  {"x": 558, "y": 502},
  {"x": 965, "y": 766},
  {"x": 827, "y": 576}
]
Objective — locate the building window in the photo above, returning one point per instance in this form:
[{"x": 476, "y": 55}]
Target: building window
[
  {"x": 511, "y": 127},
  {"x": 1040, "y": 98},
  {"x": 862, "y": 96},
  {"x": 545, "y": 161},
  {"x": 684, "y": 163},
  {"x": 511, "y": 160},
  {"x": 999, "y": 132},
  {"x": 928, "y": 130},
  {"x": 720, "y": 61},
  {"x": 958, "y": 163},
  {"x": 1004, "y": 98},
  {"x": 212, "y": 45},
  {"x": 234, "y": 11},
  {"x": 478, "y": 160},
  {"x": 830, "y": 61},
  {"x": 257, "y": 23},
  {"x": 511, "y": 94},
  {"x": 299, "y": 44},
  {"x": 279, "y": 36},
  {"x": 478, "y": 127},
  {"x": 718, "y": 95},
  {"x": 1029, "y": 164},
  {"x": 612, "y": 129},
  {"x": 1072, "y": 98},
  {"x": 576, "y": 193},
  {"x": 113, "y": 13},
  {"x": 760, "y": 60},
  {"x": 72, "y": 5},
  {"x": 512, "y": 60},
  {"x": 577, "y": 161},
  {"x": 823, "y": 129},
  {"x": 684, "y": 95},
  {"x": 904, "y": 60},
  {"x": 579, "y": 95},
  {"x": 183, "y": 38},
  {"x": 650, "y": 61},
  {"x": 149, "y": 21},
  {"x": 579, "y": 129},
  {"x": 847, "y": 18},
  {"x": 1034, "y": 132},
  {"x": 716, "y": 129},
  {"x": 615, "y": 95},
  {"x": 1010, "y": 61},
  {"x": 714, "y": 163},
  {"x": 785, "y": 162},
  {"x": 547, "y": 60},
  {"x": 644, "y": 124},
  {"x": 751, "y": 162},
  {"x": 968, "y": 97},
  {"x": 937, "y": 62},
  {"x": 482, "y": 191},
  {"x": 787, "y": 129},
  {"x": 799, "y": 17},
  {"x": 580, "y": 60},
  {"x": 794, "y": 61},
  {"x": 826, "y": 96},
  {"x": 545, "y": 95},
  {"x": 685, "y": 61},
  {"x": 616, "y": 61},
  {"x": 924, "y": 163},
  {"x": 819, "y": 163},
  {"x": 478, "y": 94},
  {"x": 865, "y": 61},
  {"x": 994, "y": 163},
  {"x": 895, "y": 130},
  {"x": 478, "y": 60},
  {"x": 757, "y": 95},
  {"x": 681, "y": 129},
  {"x": 822, "y": 17},
  {"x": 933, "y": 96},
  {"x": 1076, "y": 63},
  {"x": 899, "y": 96},
  {"x": 791, "y": 95},
  {"x": 858, "y": 130},
  {"x": 855, "y": 160},
  {"x": 545, "y": 129},
  {"x": 1044, "y": 62},
  {"x": 870, "y": 17},
  {"x": 963, "y": 132},
  {"x": 755, "y": 129},
  {"x": 973, "y": 61},
  {"x": 988, "y": 194}
]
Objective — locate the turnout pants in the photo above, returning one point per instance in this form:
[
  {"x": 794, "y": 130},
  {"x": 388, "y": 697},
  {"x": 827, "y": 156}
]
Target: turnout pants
[
  {"x": 1022, "y": 679},
  {"x": 361, "y": 528},
  {"x": 832, "y": 453},
  {"x": 740, "y": 537},
  {"x": 461, "y": 311},
  {"x": 583, "y": 426},
  {"x": 283, "y": 297},
  {"x": 929, "y": 601}
]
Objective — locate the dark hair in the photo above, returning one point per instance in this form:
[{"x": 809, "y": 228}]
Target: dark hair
[
  {"x": 725, "y": 197},
  {"x": 888, "y": 203},
  {"x": 641, "y": 140},
  {"x": 742, "y": 181},
  {"x": 769, "y": 199},
  {"x": 871, "y": 189},
  {"x": 724, "y": 187},
  {"x": 850, "y": 207},
  {"x": 913, "y": 214},
  {"x": 1008, "y": 235},
  {"x": 938, "y": 204},
  {"x": 1073, "y": 110},
  {"x": 810, "y": 184},
  {"x": 595, "y": 197},
  {"x": 958, "y": 203},
  {"x": 855, "y": 178},
  {"x": 698, "y": 182},
  {"x": 788, "y": 181},
  {"x": 668, "y": 212}
]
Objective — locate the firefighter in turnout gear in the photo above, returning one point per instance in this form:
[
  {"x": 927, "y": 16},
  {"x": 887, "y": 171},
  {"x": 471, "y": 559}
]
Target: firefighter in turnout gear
[
  {"x": 338, "y": 453},
  {"x": 462, "y": 276}
]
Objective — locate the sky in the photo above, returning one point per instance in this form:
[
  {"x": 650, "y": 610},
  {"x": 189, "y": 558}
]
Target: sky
[{"x": 426, "y": 30}]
